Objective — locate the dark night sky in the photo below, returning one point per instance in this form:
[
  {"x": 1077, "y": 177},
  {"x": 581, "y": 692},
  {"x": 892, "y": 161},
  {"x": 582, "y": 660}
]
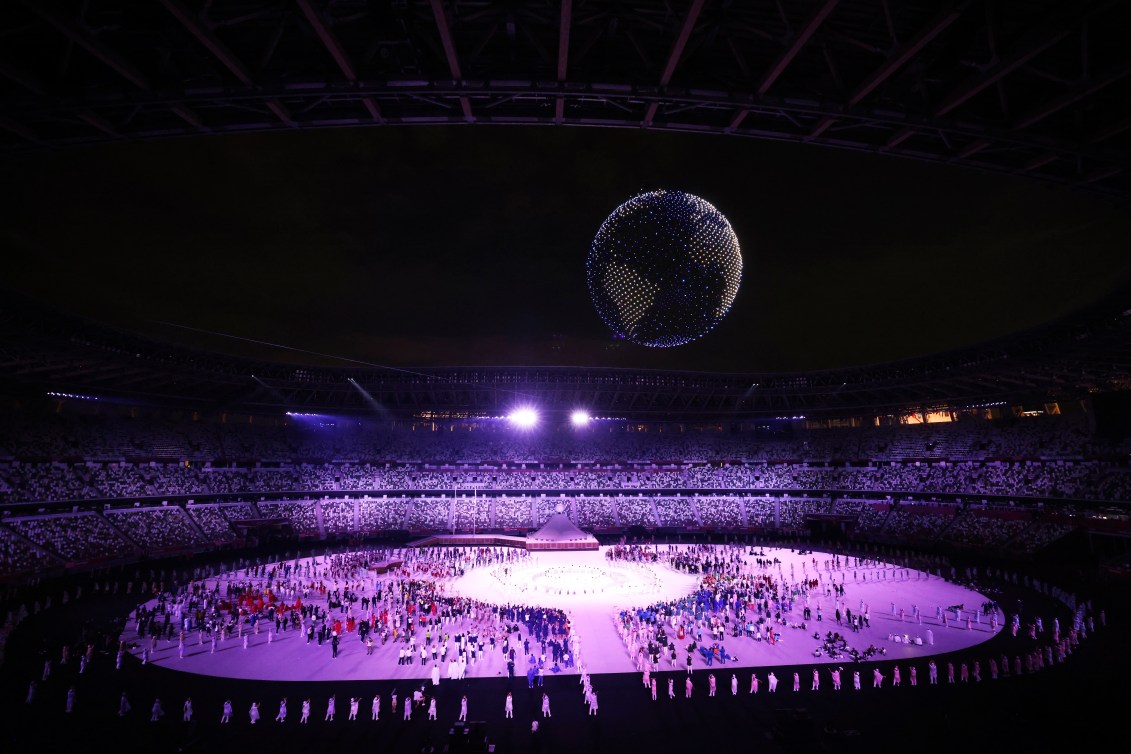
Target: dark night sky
[{"x": 450, "y": 245}]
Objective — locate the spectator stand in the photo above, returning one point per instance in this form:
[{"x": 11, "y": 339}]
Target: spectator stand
[{"x": 19, "y": 555}]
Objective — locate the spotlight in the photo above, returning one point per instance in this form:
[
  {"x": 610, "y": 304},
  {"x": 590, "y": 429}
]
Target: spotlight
[
  {"x": 579, "y": 418},
  {"x": 524, "y": 418}
]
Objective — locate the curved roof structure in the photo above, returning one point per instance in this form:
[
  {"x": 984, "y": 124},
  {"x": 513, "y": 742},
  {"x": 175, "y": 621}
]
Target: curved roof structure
[
  {"x": 1039, "y": 89},
  {"x": 46, "y": 350}
]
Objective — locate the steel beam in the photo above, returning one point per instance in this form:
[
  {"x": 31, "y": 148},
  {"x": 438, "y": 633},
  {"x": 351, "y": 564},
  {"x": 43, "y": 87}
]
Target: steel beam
[
  {"x": 446, "y": 39},
  {"x": 326, "y": 103},
  {"x": 778, "y": 68},
  {"x": 329, "y": 41},
  {"x": 24, "y": 79},
  {"x": 450, "y": 53},
  {"x": 219, "y": 50},
  {"x": 972, "y": 149},
  {"x": 909, "y": 50},
  {"x": 563, "y": 56},
  {"x": 188, "y": 116},
  {"x": 88, "y": 42},
  {"x": 1048, "y": 35},
  {"x": 1099, "y": 175},
  {"x": 898, "y": 138},
  {"x": 650, "y": 114},
  {"x": 99, "y": 50},
  {"x": 824, "y": 124},
  {"x": 208, "y": 38},
  {"x": 1075, "y": 94},
  {"x": 563, "y": 38},
  {"x": 337, "y": 52},
  {"x": 19, "y": 130},
  {"x": 103, "y": 125},
  {"x": 1039, "y": 161},
  {"x": 1112, "y": 129},
  {"x": 681, "y": 41}
]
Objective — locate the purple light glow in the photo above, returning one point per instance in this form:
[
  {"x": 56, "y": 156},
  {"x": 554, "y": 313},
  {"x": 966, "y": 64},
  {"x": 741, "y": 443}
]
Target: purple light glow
[
  {"x": 579, "y": 418},
  {"x": 523, "y": 418}
]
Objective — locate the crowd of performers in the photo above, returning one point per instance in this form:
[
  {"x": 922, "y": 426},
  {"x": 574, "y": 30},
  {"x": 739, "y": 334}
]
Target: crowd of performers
[
  {"x": 1043, "y": 650},
  {"x": 741, "y": 593},
  {"x": 744, "y": 593},
  {"x": 409, "y": 606},
  {"x": 335, "y": 599}
]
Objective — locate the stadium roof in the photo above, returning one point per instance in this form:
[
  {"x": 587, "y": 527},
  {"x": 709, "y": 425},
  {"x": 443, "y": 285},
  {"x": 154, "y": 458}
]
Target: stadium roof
[
  {"x": 47, "y": 351},
  {"x": 1039, "y": 89}
]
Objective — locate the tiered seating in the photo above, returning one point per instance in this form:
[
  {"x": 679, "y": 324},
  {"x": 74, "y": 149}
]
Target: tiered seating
[
  {"x": 636, "y": 511},
  {"x": 471, "y": 513},
  {"x": 303, "y": 519},
  {"x": 512, "y": 513},
  {"x": 157, "y": 528},
  {"x": 720, "y": 512},
  {"x": 381, "y": 514},
  {"x": 337, "y": 516},
  {"x": 17, "y": 556},
  {"x": 675, "y": 511},
  {"x": 430, "y": 513},
  {"x": 78, "y": 537},
  {"x": 212, "y": 522}
]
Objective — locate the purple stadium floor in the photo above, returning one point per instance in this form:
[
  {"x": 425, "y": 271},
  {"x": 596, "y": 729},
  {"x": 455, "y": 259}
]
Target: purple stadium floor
[{"x": 592, "y": 590}]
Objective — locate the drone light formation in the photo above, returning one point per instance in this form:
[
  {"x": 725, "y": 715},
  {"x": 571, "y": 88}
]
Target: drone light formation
[{"x": 664, "y": 269}]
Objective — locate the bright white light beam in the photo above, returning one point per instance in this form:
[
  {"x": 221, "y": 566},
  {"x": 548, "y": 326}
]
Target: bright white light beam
[{"x": 523, "y": 418}]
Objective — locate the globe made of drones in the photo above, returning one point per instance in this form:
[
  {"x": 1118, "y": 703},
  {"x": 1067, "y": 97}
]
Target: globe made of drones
[{"x": 664, "y": 269}]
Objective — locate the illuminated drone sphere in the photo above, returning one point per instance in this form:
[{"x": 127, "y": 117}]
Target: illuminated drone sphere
[{"x": 664, "y": 269}]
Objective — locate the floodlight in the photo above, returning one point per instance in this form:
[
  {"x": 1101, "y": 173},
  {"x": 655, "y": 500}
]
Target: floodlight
[{"x": 524, "y": 417}]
